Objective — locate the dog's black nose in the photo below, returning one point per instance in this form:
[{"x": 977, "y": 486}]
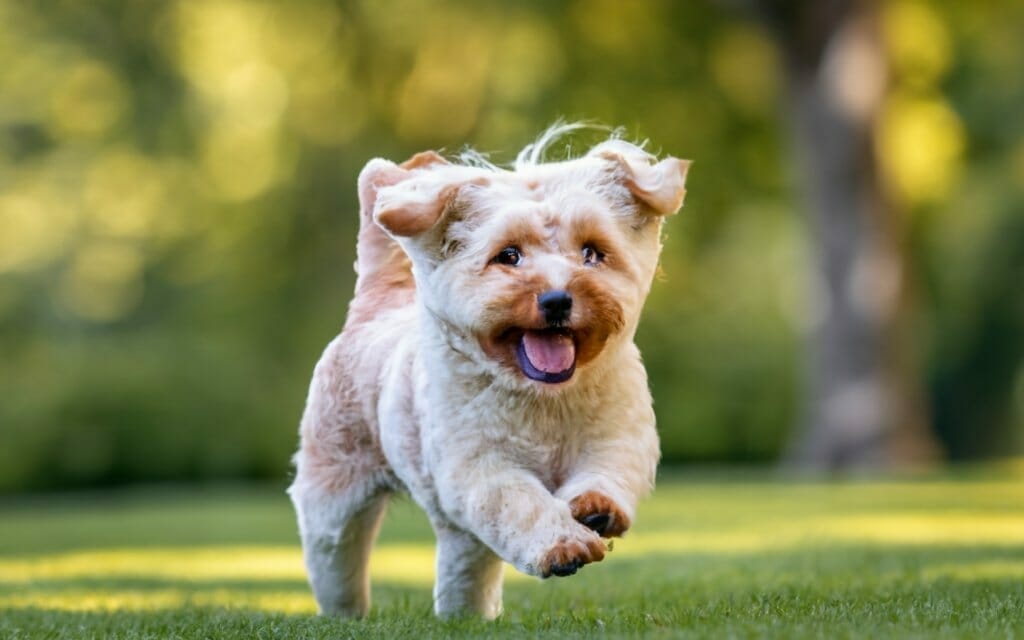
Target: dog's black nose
[{"x": 555, "y": 305}]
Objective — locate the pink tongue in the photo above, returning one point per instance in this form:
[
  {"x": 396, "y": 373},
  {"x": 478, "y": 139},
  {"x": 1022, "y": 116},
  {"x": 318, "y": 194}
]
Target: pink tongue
[{"x": 549, "y": 352}]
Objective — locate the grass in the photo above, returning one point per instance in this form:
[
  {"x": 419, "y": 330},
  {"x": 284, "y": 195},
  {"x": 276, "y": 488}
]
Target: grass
[{"x": 711, "y": 556}]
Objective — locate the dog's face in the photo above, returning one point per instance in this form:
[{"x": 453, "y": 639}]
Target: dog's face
[{"x": 533, "y": 273}]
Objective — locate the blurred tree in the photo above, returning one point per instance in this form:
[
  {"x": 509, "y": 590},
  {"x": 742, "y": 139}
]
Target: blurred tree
[{"x": 863, "y": 405}]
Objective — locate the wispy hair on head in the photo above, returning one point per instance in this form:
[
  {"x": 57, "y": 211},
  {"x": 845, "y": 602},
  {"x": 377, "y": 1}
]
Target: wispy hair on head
[
  {"x": 537, "y": 152},
  {"x": 472, "y": 158},
  {"x": 555, "y": 144}
]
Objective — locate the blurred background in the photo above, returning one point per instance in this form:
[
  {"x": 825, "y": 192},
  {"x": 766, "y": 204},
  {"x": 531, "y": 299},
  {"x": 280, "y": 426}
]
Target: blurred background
[{"x": 843, "y": 288}]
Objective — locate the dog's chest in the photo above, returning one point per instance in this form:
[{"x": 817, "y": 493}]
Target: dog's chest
[
  {"x": 545, "y": 436},
  {"x": 548, "y": 453},
  {"x": 544, "y": 439}
]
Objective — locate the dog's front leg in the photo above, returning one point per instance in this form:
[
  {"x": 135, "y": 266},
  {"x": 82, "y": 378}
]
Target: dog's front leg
[
  {"x": 607, "y": 481},
  {"x": 509, "y": 510}
]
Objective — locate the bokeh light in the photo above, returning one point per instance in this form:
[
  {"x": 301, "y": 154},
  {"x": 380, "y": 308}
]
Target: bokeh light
[{"x": 178, "y": 212}]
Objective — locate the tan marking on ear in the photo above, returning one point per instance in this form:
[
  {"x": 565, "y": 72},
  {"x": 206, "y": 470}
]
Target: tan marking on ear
[
  {"x": 423, "y": 159},
  {"x": 405, "y": 218},
  {"x": 376, "y": 175},
  {"x": 415, "y": 211},
  {"x": 662, "y": 186}
]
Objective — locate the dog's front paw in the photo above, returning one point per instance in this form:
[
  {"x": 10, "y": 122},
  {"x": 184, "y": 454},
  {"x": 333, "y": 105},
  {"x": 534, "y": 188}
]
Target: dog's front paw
[
  {"x": 569, "y": 554},
  {"x": 598, "y": 512}
]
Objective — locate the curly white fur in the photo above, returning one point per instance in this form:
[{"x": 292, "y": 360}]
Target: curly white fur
[{"x": 422, "y": 392}]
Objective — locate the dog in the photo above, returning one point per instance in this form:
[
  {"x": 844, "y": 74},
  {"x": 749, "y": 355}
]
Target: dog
[{"x": 487, "y": 368}]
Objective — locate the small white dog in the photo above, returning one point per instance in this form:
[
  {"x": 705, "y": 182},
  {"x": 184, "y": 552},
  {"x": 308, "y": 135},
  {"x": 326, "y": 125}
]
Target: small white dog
[{"x": 487, "y": 367}]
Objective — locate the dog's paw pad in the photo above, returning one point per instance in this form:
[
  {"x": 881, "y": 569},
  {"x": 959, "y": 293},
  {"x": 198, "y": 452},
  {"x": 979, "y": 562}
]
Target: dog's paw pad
[
  {"x": 564, "y": 569},
  {"x": 596, "y": 521},
  {"x": 569, "y": 555},
  {"x": 598, "y": 512}
]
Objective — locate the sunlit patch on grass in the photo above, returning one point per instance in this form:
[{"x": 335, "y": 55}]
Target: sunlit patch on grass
[
  {"x": 201, "y": 569},
  {"x": 96, "y": 600},
  {"x": 1002, "y": 570},
  {"x": 403, "y": 564},
  {"x": 106, "y": 600},
  {"x": 777, "y": 534},
  {"x": 198, "y": 564}
]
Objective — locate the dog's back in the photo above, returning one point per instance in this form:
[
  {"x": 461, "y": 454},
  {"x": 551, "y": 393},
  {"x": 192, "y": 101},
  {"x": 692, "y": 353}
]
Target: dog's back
[
  {"x": 340, "y": 466},
  {"x": 339, "y": 427}
]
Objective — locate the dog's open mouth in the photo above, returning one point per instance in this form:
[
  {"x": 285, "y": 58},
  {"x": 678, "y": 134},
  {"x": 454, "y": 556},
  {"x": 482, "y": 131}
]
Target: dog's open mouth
[{"x": 547, "y": 355}]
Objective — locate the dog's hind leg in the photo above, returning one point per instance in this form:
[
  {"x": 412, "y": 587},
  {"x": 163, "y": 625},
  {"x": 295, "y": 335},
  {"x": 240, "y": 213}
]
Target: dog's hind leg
[
  {"x": 338, "y": 529},
  {"x": 342, "y": 483},
  {"x": 469, "y": 575}
]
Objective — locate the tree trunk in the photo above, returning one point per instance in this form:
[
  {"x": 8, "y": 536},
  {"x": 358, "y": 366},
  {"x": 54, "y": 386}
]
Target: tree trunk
[{"x": 863, "y": 403}]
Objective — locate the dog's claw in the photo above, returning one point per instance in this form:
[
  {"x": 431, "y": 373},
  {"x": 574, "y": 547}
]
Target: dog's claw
[{"x": 597, "y": 522}]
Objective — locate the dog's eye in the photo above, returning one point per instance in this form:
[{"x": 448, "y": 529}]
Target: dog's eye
[
  {"x": 509, "y": 255},
  {"x": 591, "y": 255}
]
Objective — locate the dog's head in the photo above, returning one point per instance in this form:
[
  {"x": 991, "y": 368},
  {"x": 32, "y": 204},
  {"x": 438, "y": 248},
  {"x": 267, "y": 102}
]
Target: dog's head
[{"x": 533, "y": 273}]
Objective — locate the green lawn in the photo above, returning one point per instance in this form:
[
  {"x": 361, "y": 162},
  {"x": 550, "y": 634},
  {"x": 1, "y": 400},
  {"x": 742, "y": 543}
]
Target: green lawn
[{"x": 712, "y": 555}]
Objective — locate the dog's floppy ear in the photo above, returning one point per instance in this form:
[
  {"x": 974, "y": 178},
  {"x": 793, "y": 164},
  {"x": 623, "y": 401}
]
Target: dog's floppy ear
[
  {"x": 379, "y": 175},
  {"x": 409, "y": 198},
  {"x": 659, "y": 185}
]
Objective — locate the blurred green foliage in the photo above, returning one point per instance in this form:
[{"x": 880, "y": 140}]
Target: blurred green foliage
[{"x": 178, "y": 211}]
